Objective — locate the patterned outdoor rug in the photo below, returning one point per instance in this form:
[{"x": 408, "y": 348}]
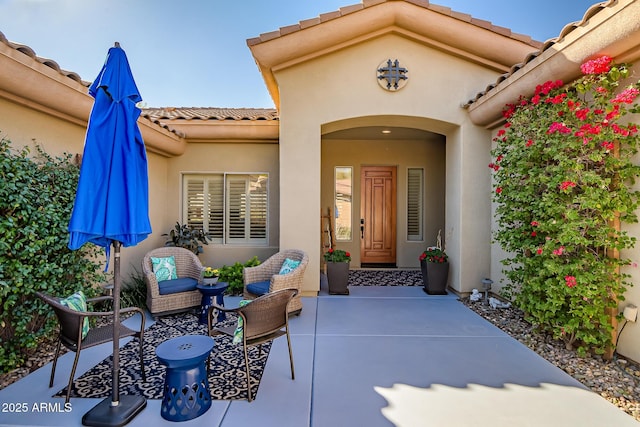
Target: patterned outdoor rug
[
  {"x": 227, "y": 377},
  {"x": 385, "y": 278}
]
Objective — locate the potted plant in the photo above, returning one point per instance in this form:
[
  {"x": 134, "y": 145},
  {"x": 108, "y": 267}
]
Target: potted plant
[
  {"x": 183, "y": 236},
  {"x": 210, "y": 275},
  {"x": 434, "y": 263},
  {"x": 338, "y": 271}
]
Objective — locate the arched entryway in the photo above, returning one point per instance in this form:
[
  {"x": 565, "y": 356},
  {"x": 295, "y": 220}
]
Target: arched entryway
[{"x": 384, "y": 187}]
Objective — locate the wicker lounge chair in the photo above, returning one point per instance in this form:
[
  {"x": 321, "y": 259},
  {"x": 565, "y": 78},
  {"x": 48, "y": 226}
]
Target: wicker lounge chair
[
  {"x": 263, "y": 320},
  {"x": 187, "y": 266},
  {"x": 267, "y": 274},
  {"x": 70, "y": 335}
]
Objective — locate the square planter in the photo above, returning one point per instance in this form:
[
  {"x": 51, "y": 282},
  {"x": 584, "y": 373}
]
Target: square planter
[
  {"x": 338, "y": 278},
  {"x": 435, "y": 276}
]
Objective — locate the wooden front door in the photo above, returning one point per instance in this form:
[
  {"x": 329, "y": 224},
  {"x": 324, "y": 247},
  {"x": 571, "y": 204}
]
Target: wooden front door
[{"x": 378, "y": 215}]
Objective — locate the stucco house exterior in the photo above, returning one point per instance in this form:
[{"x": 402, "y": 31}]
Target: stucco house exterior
[{"x": 385, "y": 114}]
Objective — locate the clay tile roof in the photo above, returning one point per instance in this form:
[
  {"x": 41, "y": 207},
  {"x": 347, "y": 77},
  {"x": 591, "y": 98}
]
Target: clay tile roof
[
  {"x": 48, "y": 62},
  {"x": 220, "y": 114},
  {"x": 370, "y": 3},
  {"x": 594, "y": 9}
]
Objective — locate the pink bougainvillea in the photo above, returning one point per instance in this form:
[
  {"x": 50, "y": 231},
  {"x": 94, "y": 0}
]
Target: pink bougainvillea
[
  {"x": 597, "y": 66},
  {"x": 570, "y": 169},
  {"x": 570, "y": 281}
]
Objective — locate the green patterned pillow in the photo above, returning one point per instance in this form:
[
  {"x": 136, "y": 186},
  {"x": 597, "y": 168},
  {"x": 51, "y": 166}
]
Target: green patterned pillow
[
  {"x": 237, "y": 334},
  {"x": 78, "y": 302},
  {"x": 288, "y": 266},
  {"x": 164, "y": 268}
]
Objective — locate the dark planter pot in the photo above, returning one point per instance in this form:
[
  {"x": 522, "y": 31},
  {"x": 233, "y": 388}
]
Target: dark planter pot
[
  {"x": 338, "y": 278},
  {"x": 435, "y": 276}
]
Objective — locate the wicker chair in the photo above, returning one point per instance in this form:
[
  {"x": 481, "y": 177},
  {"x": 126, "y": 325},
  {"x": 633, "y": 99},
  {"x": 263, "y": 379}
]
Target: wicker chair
[
  {"x": 70, "y": 335},
  {"x": 187, "y": 265},
  {"x": 263, "y": 320},
  {"x": 268, "y": 271}
]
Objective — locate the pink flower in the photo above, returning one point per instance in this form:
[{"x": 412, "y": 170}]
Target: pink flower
[
  {"x": 534, "y": 223},
  {"x": 566, "y": 185},
  {"x": 558, "y": 251},
  {"x": 597, "y": 66},
  {"x": 539, "y": 251},
  {"x": 626, "y": 96},
  {"x": 608, "y": 145},
  {"x": 581, "y": 114},
  {"x": 570, "y": 281},
  {"x": 558, "y": 127}
]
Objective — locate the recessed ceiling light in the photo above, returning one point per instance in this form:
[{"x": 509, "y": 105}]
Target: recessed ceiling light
[{"x": 386, "y": 131}]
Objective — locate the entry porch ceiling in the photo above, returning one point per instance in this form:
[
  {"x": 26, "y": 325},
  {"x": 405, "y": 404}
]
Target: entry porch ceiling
[{"x": 371, "y": 133}]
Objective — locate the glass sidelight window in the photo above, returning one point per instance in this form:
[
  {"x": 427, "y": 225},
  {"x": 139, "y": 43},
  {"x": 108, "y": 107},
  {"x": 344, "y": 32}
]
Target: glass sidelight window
[{"x": 343, "y": 202}]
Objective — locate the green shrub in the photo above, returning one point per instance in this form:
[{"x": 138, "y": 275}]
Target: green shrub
[
  {"x": 233, "y": 275},
  {"x": 133, "y": 292},
  {"x": 36, "y": 199},
  {"x": 564, "y": 177}
]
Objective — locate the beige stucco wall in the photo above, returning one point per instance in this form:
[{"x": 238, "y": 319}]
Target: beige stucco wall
[
  {"x": 343, "y": 86},
  {"x": 220, "y": 158},
  {"x": 427, "y": 154}
]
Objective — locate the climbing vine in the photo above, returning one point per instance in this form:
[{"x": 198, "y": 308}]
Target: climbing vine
[{"x": 563, "y": 182}]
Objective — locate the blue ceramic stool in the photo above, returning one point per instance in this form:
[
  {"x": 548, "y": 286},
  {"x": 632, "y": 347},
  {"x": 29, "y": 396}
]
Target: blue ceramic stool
[
  {"x": 186, "y": 387},
  {"x": 208, "y": 293}
]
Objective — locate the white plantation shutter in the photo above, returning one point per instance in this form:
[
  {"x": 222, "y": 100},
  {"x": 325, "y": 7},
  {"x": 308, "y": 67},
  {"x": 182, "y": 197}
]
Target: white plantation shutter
[
  {"x": 231, "y": 208},
  {"x": 414, "y": 203},
  {"x": 195, "y": 206},
  {"x": 258, "y": 208},
  {"x": 215, "y": 192}
]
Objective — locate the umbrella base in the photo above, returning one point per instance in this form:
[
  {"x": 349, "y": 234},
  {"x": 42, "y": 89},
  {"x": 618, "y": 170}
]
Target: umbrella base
[{"x": 105, "y": 415}]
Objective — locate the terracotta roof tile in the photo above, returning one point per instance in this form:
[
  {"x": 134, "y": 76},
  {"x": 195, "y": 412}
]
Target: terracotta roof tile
[
  {"x": 594, "y": 9},
  {"x": 45, "y": 61},
  {"x": 219, "y": 114},
  {"x": 370, "y": 3}
]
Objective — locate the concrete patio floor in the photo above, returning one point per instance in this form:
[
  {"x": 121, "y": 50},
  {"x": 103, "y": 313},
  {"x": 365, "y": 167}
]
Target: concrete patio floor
[{"x": 382, "y": 356}]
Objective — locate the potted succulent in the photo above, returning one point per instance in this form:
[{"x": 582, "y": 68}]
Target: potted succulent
[
  {"x": 210, "y": 275},
  {"x": 185, "y": 237},
  {"x": 338, "y": 271},
  {"x": 434, "y": 263}
]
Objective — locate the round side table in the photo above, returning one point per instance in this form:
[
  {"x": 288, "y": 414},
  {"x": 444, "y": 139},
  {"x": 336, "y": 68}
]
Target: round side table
[
  {"x": 186, "y": 386},
  {"x": 208, "y": 293}
]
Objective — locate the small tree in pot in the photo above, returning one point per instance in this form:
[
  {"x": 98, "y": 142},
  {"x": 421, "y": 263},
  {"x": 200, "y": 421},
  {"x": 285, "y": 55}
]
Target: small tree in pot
[{"x": 183, "y": 236}]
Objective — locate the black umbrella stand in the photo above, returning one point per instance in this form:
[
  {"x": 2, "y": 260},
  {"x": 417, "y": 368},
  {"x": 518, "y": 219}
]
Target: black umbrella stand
[{"x": 117, "y": 410}]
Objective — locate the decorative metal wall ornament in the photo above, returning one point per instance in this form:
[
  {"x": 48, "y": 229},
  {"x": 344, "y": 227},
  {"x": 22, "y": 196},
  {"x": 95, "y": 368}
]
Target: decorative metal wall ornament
[{"x": 391, "y": 76}]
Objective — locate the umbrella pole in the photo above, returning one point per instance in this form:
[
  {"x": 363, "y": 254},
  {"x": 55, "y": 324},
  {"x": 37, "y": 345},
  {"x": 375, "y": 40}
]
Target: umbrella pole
[{"x": 119, "y": 410}]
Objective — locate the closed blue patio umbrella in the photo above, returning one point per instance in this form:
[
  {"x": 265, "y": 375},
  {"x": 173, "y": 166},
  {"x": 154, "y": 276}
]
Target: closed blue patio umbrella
[{"x": 111, "y": 207}]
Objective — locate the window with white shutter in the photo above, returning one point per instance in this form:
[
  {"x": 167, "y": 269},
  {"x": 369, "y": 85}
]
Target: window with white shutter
[
  {"x": 415, "y": 207},
  {"x": 231, "y": 208}
]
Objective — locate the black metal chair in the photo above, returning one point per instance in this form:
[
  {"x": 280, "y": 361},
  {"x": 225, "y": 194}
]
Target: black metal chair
[
  {"x": 264, "y": 319},
  {"x": 70, "y": 335}
]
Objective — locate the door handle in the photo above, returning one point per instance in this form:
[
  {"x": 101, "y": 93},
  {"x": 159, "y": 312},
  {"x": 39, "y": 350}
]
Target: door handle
[{"x": 362, "y": 228}]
